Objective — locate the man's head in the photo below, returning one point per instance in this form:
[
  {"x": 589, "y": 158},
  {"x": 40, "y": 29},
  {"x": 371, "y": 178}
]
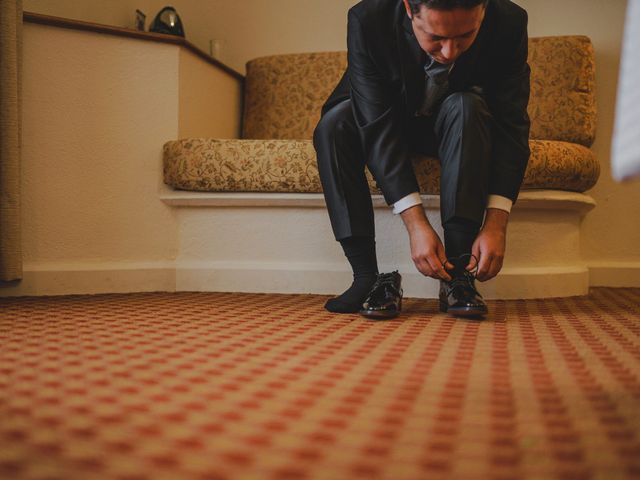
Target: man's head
[{"x": 445, "y": 29}]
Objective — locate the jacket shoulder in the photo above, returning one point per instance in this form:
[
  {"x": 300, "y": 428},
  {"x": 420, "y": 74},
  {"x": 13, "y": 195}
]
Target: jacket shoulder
[
  {"x": 376, "y": 13},
  {"x": 507, "y": 13},
  {"x": 505, "y": 25}
]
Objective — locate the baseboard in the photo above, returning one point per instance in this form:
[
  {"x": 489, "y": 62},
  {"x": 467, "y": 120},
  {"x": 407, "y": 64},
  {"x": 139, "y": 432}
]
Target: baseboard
[
  {"x": 515, "y": 283},
  {"x": 614, "y": 274},
  {"x": 326, "y": 279},
  {"x": 93, "y": 278}
]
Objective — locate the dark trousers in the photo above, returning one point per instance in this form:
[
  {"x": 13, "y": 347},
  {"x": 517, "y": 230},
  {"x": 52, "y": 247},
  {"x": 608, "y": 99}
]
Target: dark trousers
[{"x": 459, "y": 134}]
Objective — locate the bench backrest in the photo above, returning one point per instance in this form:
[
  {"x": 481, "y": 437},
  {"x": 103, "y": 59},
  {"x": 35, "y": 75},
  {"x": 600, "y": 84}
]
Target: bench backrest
[{"x": 284, "y": 93}]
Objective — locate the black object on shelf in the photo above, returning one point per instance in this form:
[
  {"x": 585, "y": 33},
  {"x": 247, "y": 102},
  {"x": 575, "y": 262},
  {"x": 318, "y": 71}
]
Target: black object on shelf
[
  {"x": 167, "y": 21},
  {"x": 141, "y": 20}
]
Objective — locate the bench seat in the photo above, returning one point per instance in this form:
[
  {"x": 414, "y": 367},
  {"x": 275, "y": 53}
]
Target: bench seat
[
  {"x": 226, "y": 193},
  {"x": 289, "y": 166}
]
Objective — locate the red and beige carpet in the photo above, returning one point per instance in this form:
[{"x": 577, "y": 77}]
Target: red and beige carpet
[{"x": 212, "y": 386}]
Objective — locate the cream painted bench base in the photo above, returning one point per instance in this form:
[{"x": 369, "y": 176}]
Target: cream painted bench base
[{"x": 282, "y": 243}]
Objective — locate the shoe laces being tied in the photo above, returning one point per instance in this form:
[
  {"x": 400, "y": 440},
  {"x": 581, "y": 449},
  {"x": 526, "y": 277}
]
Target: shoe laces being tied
[{"x": 461, "y": 277}]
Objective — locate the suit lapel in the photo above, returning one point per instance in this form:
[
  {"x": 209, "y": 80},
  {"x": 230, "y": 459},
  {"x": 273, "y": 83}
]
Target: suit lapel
[
  {"x": 465, "y": 72},
  {"x": 412, "y": 59}
]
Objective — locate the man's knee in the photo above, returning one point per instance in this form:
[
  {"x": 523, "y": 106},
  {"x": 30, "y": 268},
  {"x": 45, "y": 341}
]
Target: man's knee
[
  {"x": 329, "y": 130},
  {"x": 335, "y": 127},
  {"x": 321, "y": 132},
  {"x": 465, "y": 107}
]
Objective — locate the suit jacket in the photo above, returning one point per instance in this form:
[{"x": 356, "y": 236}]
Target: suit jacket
[{"x": 385, "y": 82}]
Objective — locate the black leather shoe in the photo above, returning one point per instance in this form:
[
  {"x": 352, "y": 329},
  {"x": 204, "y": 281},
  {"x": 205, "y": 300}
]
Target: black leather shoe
[
  {"x": 459, "y": 296},
  {"x": 385, "y": 297}
]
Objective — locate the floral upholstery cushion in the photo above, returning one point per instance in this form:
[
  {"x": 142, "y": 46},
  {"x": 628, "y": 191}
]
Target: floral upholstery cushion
[
  {"x": 210, "y": 165},
  {"x": 290, "y": 166},
  {"x": 284, "y": 93},
  {"x": 563, "y": 83}
]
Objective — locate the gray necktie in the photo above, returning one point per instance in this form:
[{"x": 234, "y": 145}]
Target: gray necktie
[{"x": 436, "y": 85}]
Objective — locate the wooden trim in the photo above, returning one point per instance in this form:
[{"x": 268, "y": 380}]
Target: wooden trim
[
  {"x": 527, "y": 200},
  {"x": 60, "y": 22}
]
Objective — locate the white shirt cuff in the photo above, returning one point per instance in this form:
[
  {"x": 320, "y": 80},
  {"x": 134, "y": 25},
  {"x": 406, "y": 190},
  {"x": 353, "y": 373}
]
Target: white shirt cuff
[
  {"x": 500, "y": 202},
  {"x": 495, "y": 201},
  {"x": 409, "y": 201}
]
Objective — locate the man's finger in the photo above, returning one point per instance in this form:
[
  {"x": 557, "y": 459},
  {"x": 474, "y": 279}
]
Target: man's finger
[
  {"x": 446, "y": 264},
  {"x": 472, "y": 263},
  {"x": 487, "y": 274},
  {"x": 442, "y": 256},
  {"x": 475, "y": 258},
  {"x": 483, "y": 267},
  {"x": 442, "y": 271},
  {"x": 424, "y": 267},
  {"x": 438, "y": 268},
  {"x": 494, "y": 269}
]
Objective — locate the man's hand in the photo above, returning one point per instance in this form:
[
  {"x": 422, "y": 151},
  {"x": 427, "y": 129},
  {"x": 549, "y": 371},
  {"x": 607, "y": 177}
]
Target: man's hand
[
  {"x": 427, "y": 251},
  {"x": 489, "y": 246}
]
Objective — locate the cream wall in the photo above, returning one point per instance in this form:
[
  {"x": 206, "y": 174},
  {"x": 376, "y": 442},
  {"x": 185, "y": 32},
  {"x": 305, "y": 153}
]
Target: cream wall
[
  {"x": 251, "y": 28},
  {"x": 92, "y": 133},
  {"x": 87, "y": 152},
  {"x": 97, "y": 110},
  {"x": 246, "y": 29},
  {"x": 611, "y": 232},
  {"x": 209, "y": 99}
]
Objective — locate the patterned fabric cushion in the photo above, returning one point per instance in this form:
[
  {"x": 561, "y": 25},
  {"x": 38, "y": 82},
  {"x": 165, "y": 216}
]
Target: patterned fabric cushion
[
  {"x": 284, "y": 93},
  {"x": 563, "y": 98},
  {"x": 290, "y": 166}
]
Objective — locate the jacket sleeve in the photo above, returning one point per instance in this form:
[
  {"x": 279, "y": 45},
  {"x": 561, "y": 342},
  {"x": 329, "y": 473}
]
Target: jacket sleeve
[
  {"x": 508, "y": 97},
  {"x": 377, "y": 107}
]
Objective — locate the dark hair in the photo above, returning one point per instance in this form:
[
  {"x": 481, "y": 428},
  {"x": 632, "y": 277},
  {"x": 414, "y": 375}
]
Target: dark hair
[{"x": 444, "y": 4}]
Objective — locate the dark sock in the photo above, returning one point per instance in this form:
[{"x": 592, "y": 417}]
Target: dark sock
[
  {"x": 459, "y": 235},
  {"x": 361, "y": 253}
]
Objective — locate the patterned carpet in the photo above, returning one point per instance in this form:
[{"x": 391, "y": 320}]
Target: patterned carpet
[{"x": 211, "y": 386}]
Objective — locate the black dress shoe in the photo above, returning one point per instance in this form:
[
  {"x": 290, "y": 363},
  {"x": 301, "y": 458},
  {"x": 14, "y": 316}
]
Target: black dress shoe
[
  {"x": 459, "y": 296},
  {"x": 385, "y": 297}
]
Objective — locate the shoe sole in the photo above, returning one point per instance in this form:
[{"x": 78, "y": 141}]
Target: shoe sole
[
  {"x": 463, "y": 312},
  {"x": 382, "y": 314},
  {"x": 378, "y": 315}
]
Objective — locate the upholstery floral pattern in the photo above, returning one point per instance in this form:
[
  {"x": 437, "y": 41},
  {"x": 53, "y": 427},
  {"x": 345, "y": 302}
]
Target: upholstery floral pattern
[
  {"x": 241, "y": 165},
  {"x": 290, "y": 166},
  {"x": 562, "y": 104},
  {"x": 284, "y": 93}
]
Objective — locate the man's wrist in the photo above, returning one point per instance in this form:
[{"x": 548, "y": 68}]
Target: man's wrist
[
  {"x": 414, "y": 218},
  {"x": 496, "y": 218}
]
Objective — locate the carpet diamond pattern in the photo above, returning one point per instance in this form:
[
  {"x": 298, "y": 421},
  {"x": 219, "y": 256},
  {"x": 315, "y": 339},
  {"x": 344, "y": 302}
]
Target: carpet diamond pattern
[{"x": 219, "y": 386}]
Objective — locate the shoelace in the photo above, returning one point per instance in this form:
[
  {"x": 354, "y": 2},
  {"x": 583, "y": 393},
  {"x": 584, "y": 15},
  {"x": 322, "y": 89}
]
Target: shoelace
[{"x": 467, "y": 278}]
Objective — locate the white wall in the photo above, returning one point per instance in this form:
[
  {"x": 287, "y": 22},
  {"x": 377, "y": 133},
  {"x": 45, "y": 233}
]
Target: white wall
[
  {"x": 97, "y": 110},
  {"x": 87, "y": 152},
  {"x": 247, "y": 28},
  {"x": 611, "y": 232},
  {"x": 251, "y": 28}
]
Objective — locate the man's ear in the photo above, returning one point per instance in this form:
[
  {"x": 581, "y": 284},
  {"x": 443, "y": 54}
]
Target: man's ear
[{"x": 408, "y": 9}]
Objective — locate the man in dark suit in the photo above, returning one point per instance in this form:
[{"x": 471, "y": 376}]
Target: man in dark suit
[{"x": 447, "y": 78}]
